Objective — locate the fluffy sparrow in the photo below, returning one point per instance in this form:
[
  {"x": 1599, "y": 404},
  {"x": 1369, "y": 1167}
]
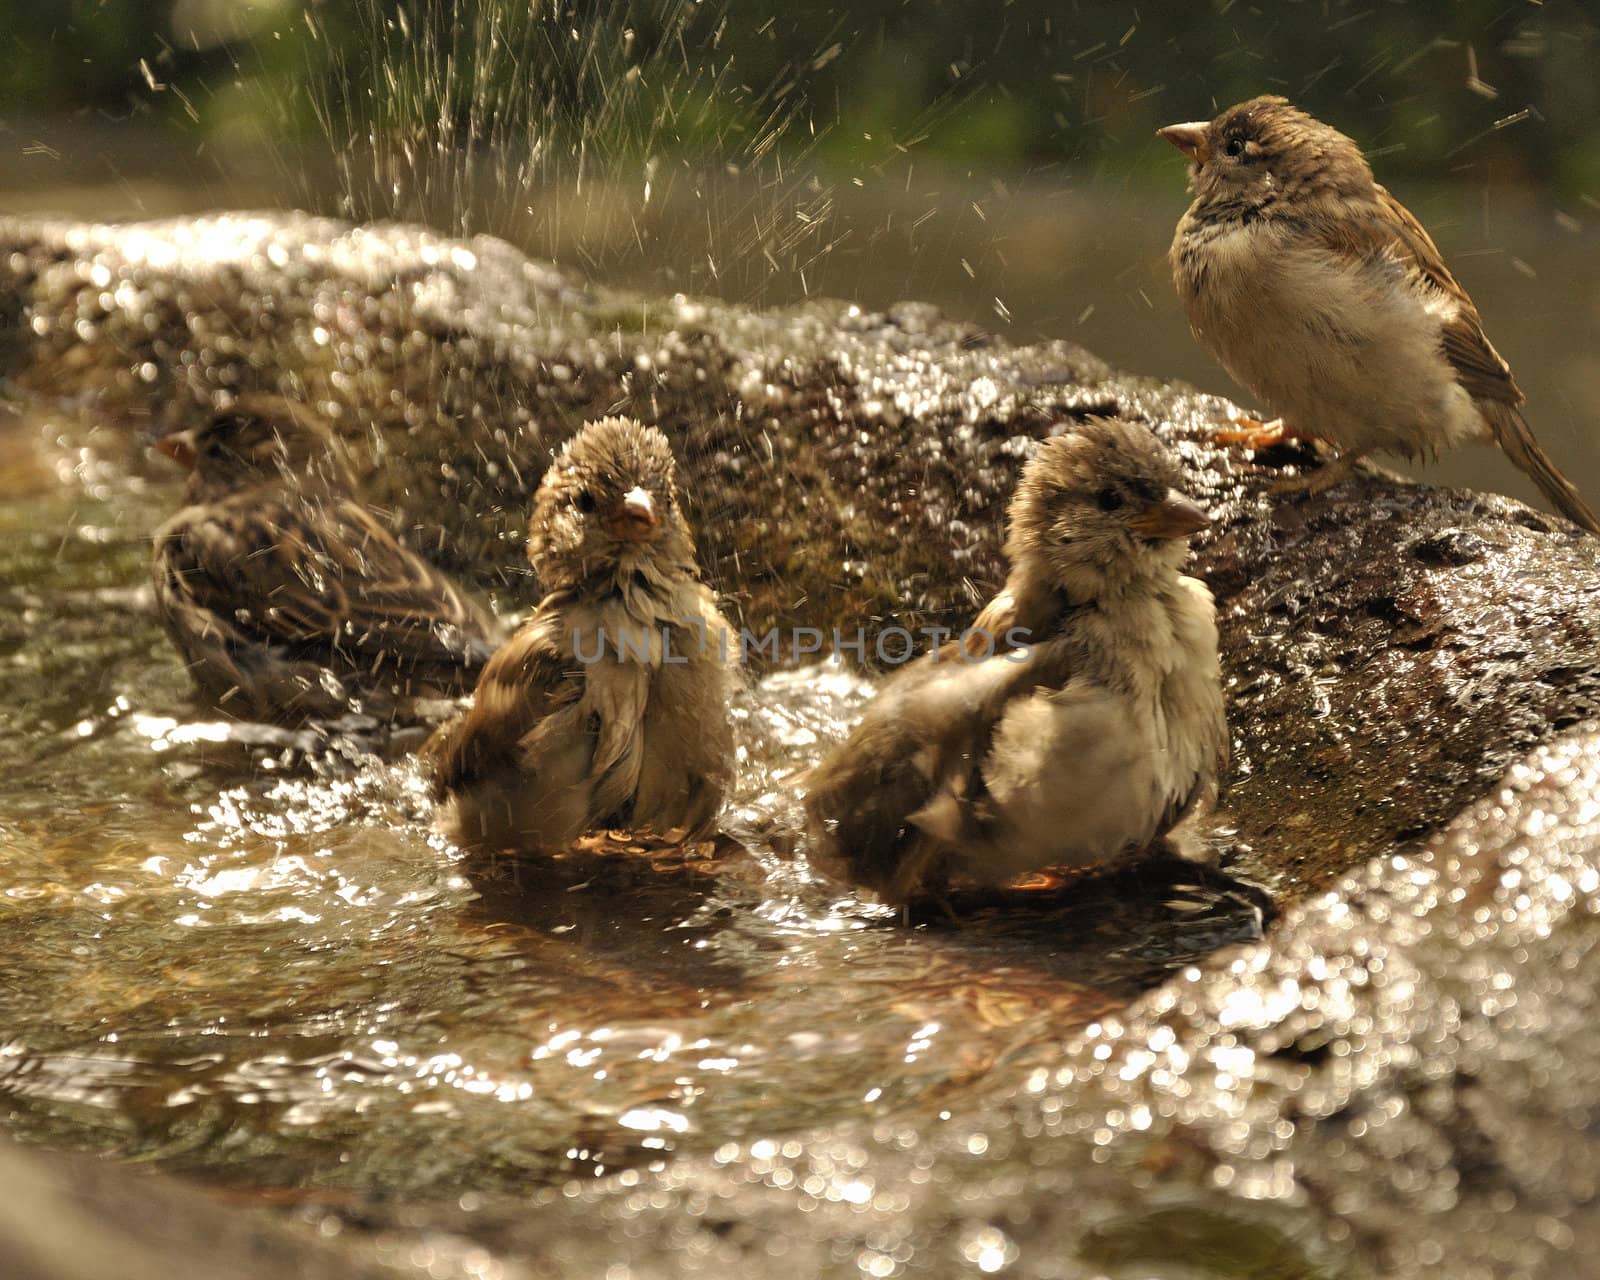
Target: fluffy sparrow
[
  {"x": 1092, "y": 733},
  {"x": 609, "y": 709},
  {"x": 284, "y": 593},
  {"x": 1321, "y": 293}
]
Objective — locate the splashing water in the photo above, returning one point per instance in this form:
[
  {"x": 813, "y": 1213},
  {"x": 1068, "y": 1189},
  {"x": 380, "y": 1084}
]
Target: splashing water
[
  {"x": 221, "y": 963},
  {"x": 573, "y": 126}
]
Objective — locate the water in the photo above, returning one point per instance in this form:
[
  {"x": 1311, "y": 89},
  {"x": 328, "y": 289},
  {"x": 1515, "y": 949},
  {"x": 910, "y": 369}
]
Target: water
[
  {"x": 244, "y": 955},
  {"x": 230, "y": 957}
]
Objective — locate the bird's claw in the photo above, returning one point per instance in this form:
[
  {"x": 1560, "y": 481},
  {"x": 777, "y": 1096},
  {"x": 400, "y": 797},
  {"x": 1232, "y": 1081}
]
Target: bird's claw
[
  {"x": 1253, "y": 434},
  {"x": 1334, "y": 472}
]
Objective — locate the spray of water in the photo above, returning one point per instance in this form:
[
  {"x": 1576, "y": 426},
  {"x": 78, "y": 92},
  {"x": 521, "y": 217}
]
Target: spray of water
[{"x": 570, "y": 129}]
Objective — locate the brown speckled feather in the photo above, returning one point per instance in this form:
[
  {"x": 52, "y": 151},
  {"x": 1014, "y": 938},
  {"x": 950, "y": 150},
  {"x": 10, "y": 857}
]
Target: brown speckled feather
[
  {"x": 1482, "y": 372},
  {"x": 283, "y": 591},
  {"x": 1395, "y": 232},
  {"x": 325, "y": 577},
  {"x": 528, "y": 678}
]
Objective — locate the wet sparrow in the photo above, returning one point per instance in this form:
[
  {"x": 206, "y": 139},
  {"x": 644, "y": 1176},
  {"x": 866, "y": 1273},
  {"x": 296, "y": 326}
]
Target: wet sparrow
[
  {"x": 1321, "y": 293},
  {"x": 1092, "y": 735},
  {"x": 609, "y": 709},
  {"x": 284, "y": 593}
]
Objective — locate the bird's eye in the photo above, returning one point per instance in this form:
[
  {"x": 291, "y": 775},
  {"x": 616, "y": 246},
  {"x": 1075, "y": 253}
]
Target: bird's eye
[
  {"x": 1108, "y": 499},
  {"x": 586, "y": 502},
  {"x": 1235, "y": 147}
]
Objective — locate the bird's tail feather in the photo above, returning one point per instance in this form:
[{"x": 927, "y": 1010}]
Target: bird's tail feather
[{"x": 1514, "y": 436}]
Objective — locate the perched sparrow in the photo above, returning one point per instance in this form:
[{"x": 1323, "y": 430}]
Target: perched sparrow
[
  {"x": 283, "y": 592},
  {"x": 609, "y": 709},
  {"x": 1321, "y": 293},
  {"x": 1090, "y": 735}
]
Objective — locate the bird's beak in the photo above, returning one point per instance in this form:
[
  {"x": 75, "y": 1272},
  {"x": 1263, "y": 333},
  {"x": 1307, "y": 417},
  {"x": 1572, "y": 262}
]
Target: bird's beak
[
  {"x": 1175, "y": 516},
  {"x": 179, "y": 446},
  {"x": 637, "y": 518},
  {"x": 1190, "y": 139}
]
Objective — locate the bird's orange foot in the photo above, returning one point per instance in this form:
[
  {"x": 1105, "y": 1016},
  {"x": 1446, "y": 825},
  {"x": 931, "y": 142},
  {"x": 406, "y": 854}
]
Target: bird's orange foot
[{"x": 1252, "y": 433}]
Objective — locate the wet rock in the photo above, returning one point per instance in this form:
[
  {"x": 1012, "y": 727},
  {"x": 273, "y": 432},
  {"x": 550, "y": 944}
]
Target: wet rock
[
  {"x": 1390, "y": 649},
  {"x": 1403, "y": 1069},
  {"x": 1399, "y": 1081}
]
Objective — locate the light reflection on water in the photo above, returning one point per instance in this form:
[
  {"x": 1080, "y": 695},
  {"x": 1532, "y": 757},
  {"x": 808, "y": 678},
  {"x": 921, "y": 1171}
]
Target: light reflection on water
[{"x": 223, "y": 956}]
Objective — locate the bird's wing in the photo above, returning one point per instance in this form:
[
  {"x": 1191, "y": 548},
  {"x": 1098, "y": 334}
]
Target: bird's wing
[
  {"x": 957, "y": 718},
  {"x": 1022, "y": 612},
  {"x": 398, "y": 605},
  {"x": 324, "y": 575},
  {"x": 922, "y": 738},
  {"x": 528, "y": 678},
  {"x": 1394, "y": 232},
  {"x": 228, "y": 662}
]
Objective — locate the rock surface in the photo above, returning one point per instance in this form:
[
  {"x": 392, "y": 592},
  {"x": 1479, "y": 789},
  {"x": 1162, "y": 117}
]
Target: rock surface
[{"x": 1404, "y": 1069}]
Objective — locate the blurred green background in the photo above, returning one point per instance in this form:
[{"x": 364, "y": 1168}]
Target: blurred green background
[
  {"x": 1002, "y": 82},
  {"x": 997, "y": 158}
]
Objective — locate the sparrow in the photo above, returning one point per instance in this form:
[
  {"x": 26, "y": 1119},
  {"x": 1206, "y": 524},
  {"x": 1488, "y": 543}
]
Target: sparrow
[
  {"x": 609, "y": 709},
  {"x": 1320, "y": 292},
  {"x": 283, "y": 591},
  {"x": 1089, "y": 726}
]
